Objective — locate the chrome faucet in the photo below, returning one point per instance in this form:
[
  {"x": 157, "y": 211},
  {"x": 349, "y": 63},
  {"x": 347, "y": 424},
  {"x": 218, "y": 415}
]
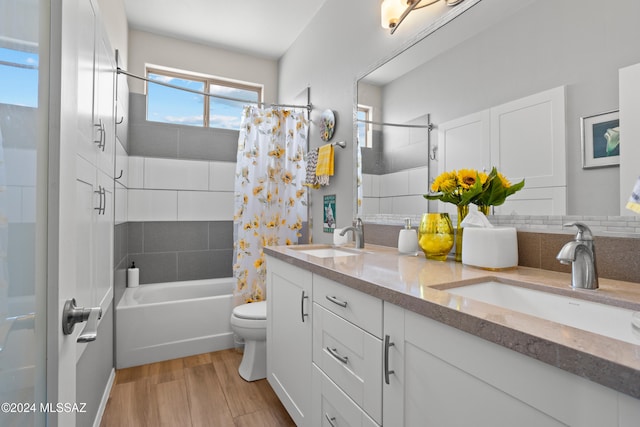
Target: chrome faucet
[
  {"x": 581, "y": 254},
  {"x": 358, "y": 230}
]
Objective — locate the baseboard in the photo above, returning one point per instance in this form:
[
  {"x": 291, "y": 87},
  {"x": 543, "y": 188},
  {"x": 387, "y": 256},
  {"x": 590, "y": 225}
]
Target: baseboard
[{"x": 105, "y": 399}]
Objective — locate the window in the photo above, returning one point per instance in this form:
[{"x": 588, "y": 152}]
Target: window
[
  {"x": 171, "y": 105},
  {"x": 365, "y": 133},
  {"x": 18, "y": 77}
]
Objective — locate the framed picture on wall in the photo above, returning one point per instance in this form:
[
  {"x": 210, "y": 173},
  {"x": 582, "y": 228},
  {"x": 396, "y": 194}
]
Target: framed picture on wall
[{"x": 600, "y": 140}]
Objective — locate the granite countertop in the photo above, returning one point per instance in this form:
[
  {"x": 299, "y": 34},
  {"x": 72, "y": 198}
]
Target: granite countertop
[{"x": 419, "y": 285}]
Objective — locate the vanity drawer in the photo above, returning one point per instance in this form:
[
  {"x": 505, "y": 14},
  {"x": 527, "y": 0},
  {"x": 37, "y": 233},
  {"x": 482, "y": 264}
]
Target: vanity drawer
[
  {"x": 351, "y": 357},
  {"x": 357, "y": 307},
  {"x": 331, "y": 407}
]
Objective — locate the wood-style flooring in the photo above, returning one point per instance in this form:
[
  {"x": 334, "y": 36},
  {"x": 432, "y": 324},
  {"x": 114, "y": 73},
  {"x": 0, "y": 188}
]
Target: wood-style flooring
[{"x": 201, "y": 390}]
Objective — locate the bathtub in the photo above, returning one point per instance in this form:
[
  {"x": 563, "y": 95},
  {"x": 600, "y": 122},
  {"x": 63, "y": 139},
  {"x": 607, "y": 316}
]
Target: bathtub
[{"x": 165, "y": 321}]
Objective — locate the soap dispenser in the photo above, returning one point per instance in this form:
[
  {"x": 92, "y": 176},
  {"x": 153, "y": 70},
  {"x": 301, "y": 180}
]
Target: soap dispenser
[{"x": 408, "y": 239}]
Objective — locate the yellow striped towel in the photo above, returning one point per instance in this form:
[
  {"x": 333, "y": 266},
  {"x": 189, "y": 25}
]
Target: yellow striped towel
[{"x": 324, "y": 169}]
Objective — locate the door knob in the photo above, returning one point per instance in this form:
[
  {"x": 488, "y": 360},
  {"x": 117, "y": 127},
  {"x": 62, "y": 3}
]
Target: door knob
[{"x": 71, "y": 314}]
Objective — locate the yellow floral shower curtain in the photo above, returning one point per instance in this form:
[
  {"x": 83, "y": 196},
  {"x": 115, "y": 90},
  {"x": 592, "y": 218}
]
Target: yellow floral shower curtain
[{"x": 270, "y": 202}]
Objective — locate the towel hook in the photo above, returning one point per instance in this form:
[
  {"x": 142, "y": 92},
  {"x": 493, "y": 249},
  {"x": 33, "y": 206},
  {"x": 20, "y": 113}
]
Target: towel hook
[{"x": 433, "y": 154}]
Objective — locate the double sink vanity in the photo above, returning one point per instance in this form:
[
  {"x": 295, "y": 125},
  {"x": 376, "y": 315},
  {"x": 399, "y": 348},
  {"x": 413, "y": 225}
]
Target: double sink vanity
[{"x": 373, "y": 337}]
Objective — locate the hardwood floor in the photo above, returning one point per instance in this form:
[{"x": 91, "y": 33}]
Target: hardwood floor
[{"x": 201, "y": 390}]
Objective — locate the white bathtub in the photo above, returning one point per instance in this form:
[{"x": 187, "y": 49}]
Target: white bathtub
[{"x": 176, "y": 319}]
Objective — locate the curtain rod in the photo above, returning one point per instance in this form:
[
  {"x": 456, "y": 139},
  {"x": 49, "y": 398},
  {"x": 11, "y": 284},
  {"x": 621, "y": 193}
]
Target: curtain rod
[
  {"x": 119, "y": 70},
  {"x": 427, "y": 126}
]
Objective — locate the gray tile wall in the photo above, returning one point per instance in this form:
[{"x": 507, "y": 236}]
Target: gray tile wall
[
  {"x": 151, "y": 139},
  {"x": 120, "y": 258},
  {"x": 180, "y": 250}
]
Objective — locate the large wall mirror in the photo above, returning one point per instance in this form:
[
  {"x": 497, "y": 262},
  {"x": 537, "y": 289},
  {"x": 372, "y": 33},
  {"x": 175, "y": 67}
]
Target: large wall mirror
[{"x": 496, "y": 54}]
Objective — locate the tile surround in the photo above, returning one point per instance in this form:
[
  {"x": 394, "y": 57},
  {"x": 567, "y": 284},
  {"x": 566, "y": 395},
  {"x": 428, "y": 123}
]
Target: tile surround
[
  {"x": 175, "y": 201},
  {"x": 205, "y": 206},
  {"x": 172, "y": 174},
  {"x": 167, "y": 251}
]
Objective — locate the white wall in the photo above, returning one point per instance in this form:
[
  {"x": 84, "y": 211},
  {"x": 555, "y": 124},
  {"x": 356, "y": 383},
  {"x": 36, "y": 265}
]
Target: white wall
[
  {"x": 148, "y": 48},
  {"x": 115, "y": 22},
  {"x": 342, "y": 42}
]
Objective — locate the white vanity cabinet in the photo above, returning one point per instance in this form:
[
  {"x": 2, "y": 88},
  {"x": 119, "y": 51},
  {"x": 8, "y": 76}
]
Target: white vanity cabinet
[
  {"x": 347, "y": 350},
  {"x": 337, "y": 356},
  {"x": 441, "y": 376},
  {"x": 289, "y": 336}
]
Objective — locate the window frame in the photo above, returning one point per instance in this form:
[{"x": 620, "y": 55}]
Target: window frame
[
  {"x": 368, "y": 126},
  {"x": 208, "y": 81}
]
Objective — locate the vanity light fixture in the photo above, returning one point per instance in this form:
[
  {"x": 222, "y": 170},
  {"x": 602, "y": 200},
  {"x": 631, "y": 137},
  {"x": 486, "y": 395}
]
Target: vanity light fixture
[{"x": 393, "y": 12}]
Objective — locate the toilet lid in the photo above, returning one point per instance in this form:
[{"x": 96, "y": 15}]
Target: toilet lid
[{"x": 254, "y": 310}]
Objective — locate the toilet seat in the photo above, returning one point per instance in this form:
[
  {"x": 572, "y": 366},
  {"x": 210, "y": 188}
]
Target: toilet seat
[{"x": 251, "y": 311}]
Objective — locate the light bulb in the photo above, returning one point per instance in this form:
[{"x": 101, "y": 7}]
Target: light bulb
[{"x": 390, "y": 12}]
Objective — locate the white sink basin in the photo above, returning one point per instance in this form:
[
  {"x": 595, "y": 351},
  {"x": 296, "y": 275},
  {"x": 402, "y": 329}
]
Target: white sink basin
[
  {"x": 602, "y": 319},
  {"x": 327, "y": 252}
]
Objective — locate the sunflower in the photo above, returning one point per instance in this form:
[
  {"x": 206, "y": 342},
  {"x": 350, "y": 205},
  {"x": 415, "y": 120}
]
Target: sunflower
[
  {"x": 503, "y": 179},
  {"x": 467, "y": 178},
  {"x": 446, "y": 182}
]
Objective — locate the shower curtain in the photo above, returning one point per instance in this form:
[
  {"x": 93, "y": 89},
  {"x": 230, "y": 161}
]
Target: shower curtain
[{"x": 270, "y": 202}]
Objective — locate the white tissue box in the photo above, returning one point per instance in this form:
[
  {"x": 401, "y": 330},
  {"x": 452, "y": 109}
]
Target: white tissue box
[{"x": 492, "y": 248}]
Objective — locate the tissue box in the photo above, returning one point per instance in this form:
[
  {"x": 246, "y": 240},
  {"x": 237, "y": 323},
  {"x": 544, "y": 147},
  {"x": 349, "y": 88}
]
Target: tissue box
[{"x": 492, "y": 248}]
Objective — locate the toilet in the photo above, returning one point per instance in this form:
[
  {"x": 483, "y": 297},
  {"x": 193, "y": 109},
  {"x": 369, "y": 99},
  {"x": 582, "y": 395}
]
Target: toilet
[{"x": 249, "y": 321}]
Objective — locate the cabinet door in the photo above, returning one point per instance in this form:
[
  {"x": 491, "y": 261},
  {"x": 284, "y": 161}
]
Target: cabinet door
[
  {"x": 104, "y": 103},
  {"x": 86, "y": 200},
  {"x": 289, "y": 336},
  {"x": 528, "y": 141},
  {"x": 85, "y": 42},
  {"x": 103, "y": 241},
  {"x": 448, "y": 377},
  {"x": 464, "y": 143}
]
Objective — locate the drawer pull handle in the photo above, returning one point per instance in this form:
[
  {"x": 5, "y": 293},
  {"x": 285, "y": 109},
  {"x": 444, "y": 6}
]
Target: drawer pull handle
[
  {"x": 387, "y": 345},
  {"x": 337, "y": 301},
  {"x": 302, "y": 313},
  {"x": 334, "y": 353},
  {"x": 330, "y": 419}
]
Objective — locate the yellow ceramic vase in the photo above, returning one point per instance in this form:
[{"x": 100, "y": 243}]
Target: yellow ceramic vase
[{"x": 435, "y": 235}]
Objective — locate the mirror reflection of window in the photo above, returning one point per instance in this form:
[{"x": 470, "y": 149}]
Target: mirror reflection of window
[
  {"x": 365, "y": 134},
  {"x": 18, "y": 77}
]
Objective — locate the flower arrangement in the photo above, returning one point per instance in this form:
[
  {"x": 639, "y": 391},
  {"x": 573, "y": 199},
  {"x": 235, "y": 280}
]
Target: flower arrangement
[{"x": 466, "y": 186}]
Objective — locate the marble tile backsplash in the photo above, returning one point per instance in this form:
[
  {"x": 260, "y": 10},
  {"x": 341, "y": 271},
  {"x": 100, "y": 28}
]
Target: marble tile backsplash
[{"x": 613, "y": 226}]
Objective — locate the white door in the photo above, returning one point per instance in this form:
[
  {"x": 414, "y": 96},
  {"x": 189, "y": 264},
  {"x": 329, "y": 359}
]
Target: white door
[
  {"x": 72, "y": 219},
  {"x": 24, "y": 78}
]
